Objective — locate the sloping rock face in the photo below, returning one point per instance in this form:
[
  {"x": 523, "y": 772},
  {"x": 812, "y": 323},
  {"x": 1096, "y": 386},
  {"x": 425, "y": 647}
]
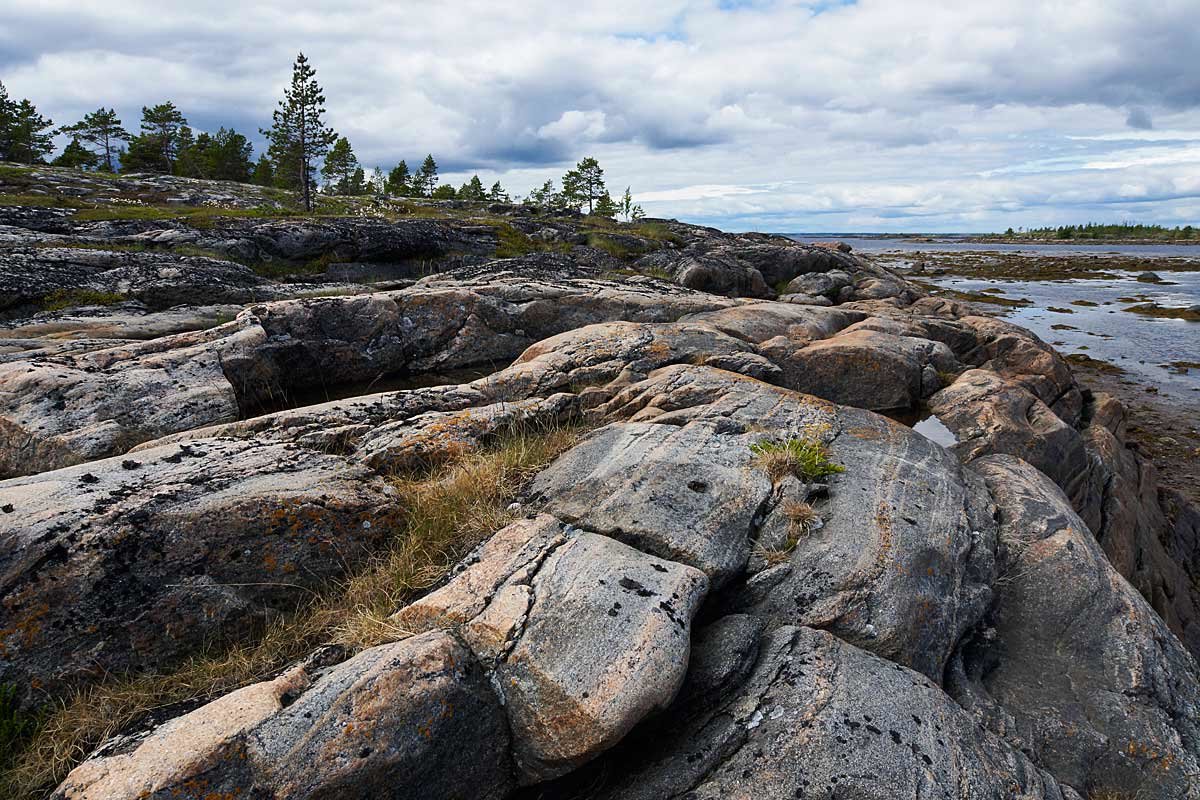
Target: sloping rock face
[
  {"x": 742, "y": 582},
  {"x": 128, "y": 564},
  {"x": 871, "y": 656},
  {"x": 1088, "y": 679},
  {"x": 32, "y": 276}
]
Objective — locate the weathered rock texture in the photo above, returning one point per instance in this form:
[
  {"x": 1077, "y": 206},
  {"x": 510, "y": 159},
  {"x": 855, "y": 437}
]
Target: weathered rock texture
[{"x": 673, "y": 616}]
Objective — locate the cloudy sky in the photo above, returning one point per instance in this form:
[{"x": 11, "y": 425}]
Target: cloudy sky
[{"x": 876, "y": 115}]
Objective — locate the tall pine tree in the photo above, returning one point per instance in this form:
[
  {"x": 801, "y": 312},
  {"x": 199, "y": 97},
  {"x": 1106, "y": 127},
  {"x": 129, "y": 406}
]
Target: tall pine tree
[
  {"x": 584, "y": 184},
  {"x": 8, "y": 112},
  {"x": 164, "y": 134},
  {"x": 29, "y": 135},
  {"x": 298, "y": 136},
  {"x": 340, "y": 166},
  {"x": 398, "y": 181},
  {"x": 426, "y": 178},
  {"x": 264, "y": 174},
  {"x": 472, "y": 190},
  {"x": 102, "y": 130}
]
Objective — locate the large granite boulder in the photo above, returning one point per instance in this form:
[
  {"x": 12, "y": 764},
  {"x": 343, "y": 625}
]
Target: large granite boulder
[
  {"x": 374, "y": 726},
  {"x": 1074, "y": 667},
  {"x": 130, "y": 563},
  {"x": 585, "y": 636}
]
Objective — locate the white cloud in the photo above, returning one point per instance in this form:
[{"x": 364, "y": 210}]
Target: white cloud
[{"x": 771, "y": 114}]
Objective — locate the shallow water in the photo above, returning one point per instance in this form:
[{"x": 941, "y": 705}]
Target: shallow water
[
  {"x": 953, "y": 245},
  {"x": 936, "y": 431},
  {"x": 1140, "y": 345}
]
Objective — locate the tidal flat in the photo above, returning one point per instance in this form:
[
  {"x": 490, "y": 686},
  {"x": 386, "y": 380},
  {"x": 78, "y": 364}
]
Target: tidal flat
[{"x": 1124, "y": 332}]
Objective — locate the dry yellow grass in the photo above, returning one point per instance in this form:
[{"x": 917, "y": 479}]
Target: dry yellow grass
[
  {"x": 448, "y": 511},
  {"x": 800, "y": 517}
]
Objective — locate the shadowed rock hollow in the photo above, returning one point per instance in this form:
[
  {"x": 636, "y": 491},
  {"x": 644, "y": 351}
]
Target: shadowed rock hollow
[{"x": 675, "y": 612}]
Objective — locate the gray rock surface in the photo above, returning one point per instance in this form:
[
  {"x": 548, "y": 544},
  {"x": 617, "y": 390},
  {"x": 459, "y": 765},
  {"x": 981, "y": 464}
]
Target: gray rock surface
[
  {"x": 677, "y": 614},
  {"x": 301, "y": 736},
  {"x": 1075, "y": 668},
  {"x": 131, "y": 563},
  {"x": 819, "y": 718}
]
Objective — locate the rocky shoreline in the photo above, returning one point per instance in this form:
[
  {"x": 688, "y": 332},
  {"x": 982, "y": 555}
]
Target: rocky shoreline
[{"x": 743, "y": 579}]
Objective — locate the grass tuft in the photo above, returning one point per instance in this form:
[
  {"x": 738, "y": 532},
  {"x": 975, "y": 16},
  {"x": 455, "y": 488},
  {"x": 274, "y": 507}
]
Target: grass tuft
[
  {"x": 72, "y": 298},
  {"x": 448, "y": 510},
  {"x": 805, "y": 457},
  {"x": 801, "y": 518}
]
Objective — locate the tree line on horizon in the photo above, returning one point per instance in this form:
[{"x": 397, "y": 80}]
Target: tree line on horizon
[
  {"x": 1093, "y": 230},
  {"x": 296, "y": 139}
]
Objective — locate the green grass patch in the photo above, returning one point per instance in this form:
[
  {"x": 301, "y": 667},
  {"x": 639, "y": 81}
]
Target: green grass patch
[
  {"x": 614, "y": 248},
  {"x": 656, "y": 231},
  {"x": 805, "y": 457},
  {"x": 72, "y": 298},
  {"x": 511, "y": 243},
  {"x": 41, "y": 201}
]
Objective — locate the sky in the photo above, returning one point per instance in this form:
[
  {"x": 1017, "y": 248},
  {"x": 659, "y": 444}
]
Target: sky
[{"x": 801, "y": 116}]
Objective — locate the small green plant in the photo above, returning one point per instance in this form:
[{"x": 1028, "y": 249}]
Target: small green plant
[
  {"x": 807, "y": 458},
  {"x": 70, "y": 298}
]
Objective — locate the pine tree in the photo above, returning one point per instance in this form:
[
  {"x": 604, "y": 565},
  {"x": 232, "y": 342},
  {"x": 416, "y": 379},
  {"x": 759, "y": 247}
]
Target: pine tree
[
  {"x": 101, "y": 129},
  {"x": 497, "y": 194},
  {"x": 398, "y": 181},
  {"x": 340, "y": 167},
  {"x": 228, "y": 157},
  {"x": 76, "y": 156},
  {"x": 7, "y": 120},
  {"x": 377, "y": 185},
  {"x": 605, "y": 207},
  {"x": 545, "y": 198},
  {"x": 584, "y": 184},
  {"x": 162, "y": 136},
  {"x": 472, "y": 190},
  {"x": 357, "y": 184},
  {"x": 444, "y": 192},
  {"x": 298, "y": 135},
  {"x": 263, "y": 174},
  {"x": 426, "y": 178},
  {"x": 29, "y": 135},
  {"x": 191, "y": 158}
]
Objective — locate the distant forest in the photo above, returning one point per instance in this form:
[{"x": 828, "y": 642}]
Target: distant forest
[
  {"x": 1092, "y": 230},
  {"x": 297, "y": 140}
]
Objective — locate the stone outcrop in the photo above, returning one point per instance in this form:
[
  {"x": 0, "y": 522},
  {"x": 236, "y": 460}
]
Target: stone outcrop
[
  {"x": 743, "y": 581},
  {"x": 131, "y": 563}
]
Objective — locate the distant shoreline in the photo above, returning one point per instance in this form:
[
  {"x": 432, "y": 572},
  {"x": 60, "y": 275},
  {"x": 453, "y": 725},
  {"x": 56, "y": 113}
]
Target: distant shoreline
[{"x": 992, "y": 238}]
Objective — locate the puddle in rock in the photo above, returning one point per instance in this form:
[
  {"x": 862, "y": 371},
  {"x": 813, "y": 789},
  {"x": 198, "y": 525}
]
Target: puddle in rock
[
  {"x": 935, "y": 430},
  {"x": 926, "y": 424}
]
